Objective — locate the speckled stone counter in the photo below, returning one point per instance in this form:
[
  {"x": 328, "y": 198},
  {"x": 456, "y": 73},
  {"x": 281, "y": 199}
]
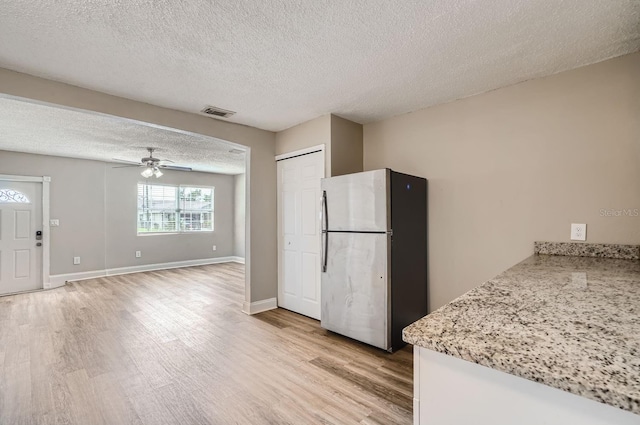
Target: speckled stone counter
[
  {"x": 572, "y": 323},
  {"x": 624, "y": 252}
]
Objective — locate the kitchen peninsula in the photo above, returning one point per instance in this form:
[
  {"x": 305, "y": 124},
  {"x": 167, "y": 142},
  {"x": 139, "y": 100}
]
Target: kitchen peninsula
[{"x": 554, "y": 340}]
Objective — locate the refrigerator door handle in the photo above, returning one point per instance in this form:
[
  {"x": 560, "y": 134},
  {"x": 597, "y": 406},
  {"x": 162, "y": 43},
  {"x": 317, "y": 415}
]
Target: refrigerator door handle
[{"x": 325, "y": 233}]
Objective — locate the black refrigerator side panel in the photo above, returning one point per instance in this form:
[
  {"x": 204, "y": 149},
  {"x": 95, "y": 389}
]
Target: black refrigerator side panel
[{"x": 408, "y": 253}]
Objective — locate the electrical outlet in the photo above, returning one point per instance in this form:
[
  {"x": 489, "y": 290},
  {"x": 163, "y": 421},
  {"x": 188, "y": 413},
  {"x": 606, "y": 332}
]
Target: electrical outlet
[
  {"x": 54, "y": 222},
  {"x": 76, "y": 260},
  {"x": 138, "y": 254},
  {"x": 578, "y": 232},
  {"x": 215, "y": 248}
]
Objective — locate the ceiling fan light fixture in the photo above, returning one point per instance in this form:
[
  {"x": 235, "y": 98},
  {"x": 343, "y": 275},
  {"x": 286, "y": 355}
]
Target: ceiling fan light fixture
[
  {"x": 152, "y": 166},
  {"x": 147, "y": 172}
]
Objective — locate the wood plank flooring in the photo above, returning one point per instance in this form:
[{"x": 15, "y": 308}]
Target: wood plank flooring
[{"x": 173, "y": 347}]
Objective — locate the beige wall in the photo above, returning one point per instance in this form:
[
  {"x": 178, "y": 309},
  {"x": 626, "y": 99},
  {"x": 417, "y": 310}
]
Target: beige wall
[
  {"x": 519, "y": 164},
  {"x": 346, "y": 146},
  {"x": 342, "y": 140},
  {"x": 96, "y": 207},
  {"x": 77, "y": 193},
  {"x": 122, "y": 240},
  {"x": 239, "y": 196},
  {"x": 310, "y": 133},
  {"x": 261, "y": 249}
]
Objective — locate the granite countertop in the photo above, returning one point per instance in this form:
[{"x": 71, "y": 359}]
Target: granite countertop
[{"x": 569, "y": 322}]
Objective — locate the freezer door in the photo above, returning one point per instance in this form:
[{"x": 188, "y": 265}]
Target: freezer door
[
  {"x": 355, "y": 287},
  {"x": 357, "y": 202}
]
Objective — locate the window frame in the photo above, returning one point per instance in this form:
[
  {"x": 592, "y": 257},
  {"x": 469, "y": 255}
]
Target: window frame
[{"x": 180, "y": 230}]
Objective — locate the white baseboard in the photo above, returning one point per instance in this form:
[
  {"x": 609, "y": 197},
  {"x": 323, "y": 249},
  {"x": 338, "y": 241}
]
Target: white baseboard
[
  {"x": 60, "y": 279},
  {"x": 57, "y": 280},
  {"x": 171, "y": 265},
  {"x": 259, "y": 306}
]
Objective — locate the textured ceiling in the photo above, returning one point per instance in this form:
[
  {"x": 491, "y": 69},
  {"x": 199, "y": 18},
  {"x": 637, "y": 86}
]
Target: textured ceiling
[
  {"x": 37, "y": 128},
  {"x": 279, "y": 63}
]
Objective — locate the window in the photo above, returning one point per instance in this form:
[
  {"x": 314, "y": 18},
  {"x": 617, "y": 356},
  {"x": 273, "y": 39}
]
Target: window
[
  {"x": 10, "y": 195},
  {"x": 173, "y": 209},
  {"x": 196, "y": 208}
]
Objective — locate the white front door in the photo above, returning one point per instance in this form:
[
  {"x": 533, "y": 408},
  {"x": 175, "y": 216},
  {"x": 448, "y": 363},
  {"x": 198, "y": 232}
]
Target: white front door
[
  {"x": 299, "y": 233},
  {"x": 20, "y": 219}
]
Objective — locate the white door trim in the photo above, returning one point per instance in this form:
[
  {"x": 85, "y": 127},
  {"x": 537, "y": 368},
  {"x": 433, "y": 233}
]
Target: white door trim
[
  {"x": 312, "y": 149},
  {"x": 247, "y": 232},
  {"x": 46, "y": 259}
]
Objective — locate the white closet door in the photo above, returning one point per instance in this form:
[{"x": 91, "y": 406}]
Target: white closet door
[{"x": 299, "y": 233}]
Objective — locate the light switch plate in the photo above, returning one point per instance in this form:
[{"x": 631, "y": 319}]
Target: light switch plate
[
  {"x": 54, "y": 222},
  {"x": 578, "y": 232}
]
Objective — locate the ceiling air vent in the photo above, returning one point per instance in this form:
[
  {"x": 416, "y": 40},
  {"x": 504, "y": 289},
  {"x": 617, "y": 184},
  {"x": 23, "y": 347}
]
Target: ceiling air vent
[{"x": 217, "y": 112}]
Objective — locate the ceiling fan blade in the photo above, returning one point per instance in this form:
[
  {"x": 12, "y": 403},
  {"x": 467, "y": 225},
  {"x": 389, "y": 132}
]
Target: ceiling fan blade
[
  {"x": 151, "y": 162},
  {"x": 175, "y": 167},
  {"x": 126, "y": 161}
]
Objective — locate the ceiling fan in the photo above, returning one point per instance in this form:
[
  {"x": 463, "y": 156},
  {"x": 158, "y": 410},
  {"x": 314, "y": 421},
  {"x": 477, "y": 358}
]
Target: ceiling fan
[{"x": 152, "y": 165}]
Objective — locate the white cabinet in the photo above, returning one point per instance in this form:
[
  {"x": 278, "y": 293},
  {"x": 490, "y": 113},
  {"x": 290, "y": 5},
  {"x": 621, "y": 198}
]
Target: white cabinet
[{"x": 451, "y": 391}]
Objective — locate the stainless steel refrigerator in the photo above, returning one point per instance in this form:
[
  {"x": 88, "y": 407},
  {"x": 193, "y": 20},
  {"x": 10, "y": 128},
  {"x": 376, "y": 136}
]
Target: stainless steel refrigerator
[{"x": 374, "y": 255}]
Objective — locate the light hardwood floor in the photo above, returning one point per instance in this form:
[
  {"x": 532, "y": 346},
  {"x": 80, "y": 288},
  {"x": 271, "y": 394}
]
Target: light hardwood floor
[{"x": 173, "y": 347}]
